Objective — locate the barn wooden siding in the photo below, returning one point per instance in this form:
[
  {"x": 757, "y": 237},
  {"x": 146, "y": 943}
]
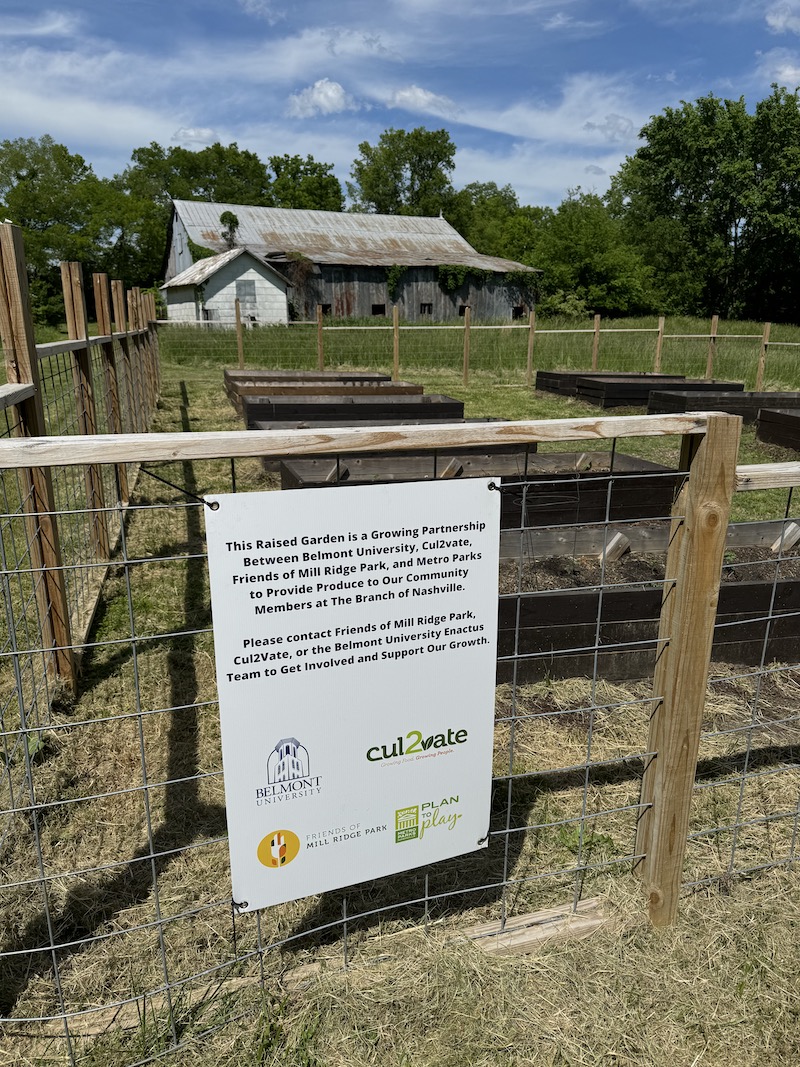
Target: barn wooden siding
[{"x": 353, "y": 292}]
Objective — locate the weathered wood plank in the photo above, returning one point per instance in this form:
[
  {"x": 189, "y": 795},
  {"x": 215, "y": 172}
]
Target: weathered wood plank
[
  {"x": 767, "y": 476},
  {"x": 525, "y": 933},
  {"x": 14, "y": 394},
  {"x": 154, "y": 447},
  {"x": 676, "y": 722}
]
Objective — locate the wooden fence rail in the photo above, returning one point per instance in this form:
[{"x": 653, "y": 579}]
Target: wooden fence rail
[{"x": 595, "y": 332}]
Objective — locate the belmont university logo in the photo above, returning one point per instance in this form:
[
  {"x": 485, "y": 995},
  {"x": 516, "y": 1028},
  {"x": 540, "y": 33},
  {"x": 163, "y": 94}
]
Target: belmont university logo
[{"x": 288, "y": 774}]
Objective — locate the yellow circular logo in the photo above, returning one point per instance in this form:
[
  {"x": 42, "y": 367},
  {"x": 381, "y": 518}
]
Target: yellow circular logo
[{"x": 278, "y": 848}]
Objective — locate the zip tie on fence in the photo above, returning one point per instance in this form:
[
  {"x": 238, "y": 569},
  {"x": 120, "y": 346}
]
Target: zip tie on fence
[{"x": 213, "y": 504}]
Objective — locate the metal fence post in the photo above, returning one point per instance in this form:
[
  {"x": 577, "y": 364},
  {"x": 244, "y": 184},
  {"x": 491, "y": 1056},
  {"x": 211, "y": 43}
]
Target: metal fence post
[{"x": 691, "y": 590}]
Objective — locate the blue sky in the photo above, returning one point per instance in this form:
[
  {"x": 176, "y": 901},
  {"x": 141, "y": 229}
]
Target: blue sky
[{"x": 542, "y": 94}]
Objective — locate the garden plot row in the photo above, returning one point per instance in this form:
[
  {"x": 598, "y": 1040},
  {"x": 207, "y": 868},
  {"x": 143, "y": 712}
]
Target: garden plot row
[
  {"x": 777, "y": 414},
  {"x": 550, "y": 505},
  {"x": 621, "y": 389}
]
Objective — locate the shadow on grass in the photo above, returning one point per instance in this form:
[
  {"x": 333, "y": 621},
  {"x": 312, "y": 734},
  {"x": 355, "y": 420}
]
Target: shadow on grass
[{"x": 60, "y": 932}]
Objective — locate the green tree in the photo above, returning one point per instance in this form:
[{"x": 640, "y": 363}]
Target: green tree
[
  {"x": 588, "y": 262},
  {"x": 683, "y": 198},
  {"x": 481, "y": 212},
  {"x": 406, "y": 173},
  {"x": 769, "y": 262},
  {"x": 65, "y": 211},
  {"x": 304, "y": 183}
]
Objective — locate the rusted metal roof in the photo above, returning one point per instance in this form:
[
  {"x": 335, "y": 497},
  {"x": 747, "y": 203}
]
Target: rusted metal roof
[
  {"x": 337, "y": 237},
  {"x": 201, "y": 271}
]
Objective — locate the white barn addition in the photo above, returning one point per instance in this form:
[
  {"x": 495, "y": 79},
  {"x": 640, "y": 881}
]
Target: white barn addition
[{"x": 207, "y": 291}]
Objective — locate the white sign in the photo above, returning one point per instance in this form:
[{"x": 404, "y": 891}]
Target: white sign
[{"x": 355, "y": 634}]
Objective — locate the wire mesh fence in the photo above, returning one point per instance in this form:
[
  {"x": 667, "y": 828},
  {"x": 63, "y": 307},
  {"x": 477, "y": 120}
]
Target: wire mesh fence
[
  {"x": 120, "y": 937},
  {"x": 733, "y": 352}
]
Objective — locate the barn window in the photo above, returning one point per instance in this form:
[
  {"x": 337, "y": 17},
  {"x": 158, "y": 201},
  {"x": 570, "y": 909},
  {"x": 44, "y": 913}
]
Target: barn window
[
  {"x": 326, "y": 309},
  {"x": 426, "y": 309},
  {"x": 518, "y": 312},
  {"x": 378, "y": 309},
  {"x": 246, "y": 291},
  {"x": 463, "y": 310}
]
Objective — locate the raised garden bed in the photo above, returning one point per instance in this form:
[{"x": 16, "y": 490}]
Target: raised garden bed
[
  {"x": 565, "y": 383},
  {"x": 611, "y": 392},
  {"x": 562, "y": 488},
  {"x": 348, "y": 409},
  {"x": 625, "y": 621},
  {"x": 779, "y": 427},
  {"x": 742, "y": 403},
  {"x": 238, "y": 390}
]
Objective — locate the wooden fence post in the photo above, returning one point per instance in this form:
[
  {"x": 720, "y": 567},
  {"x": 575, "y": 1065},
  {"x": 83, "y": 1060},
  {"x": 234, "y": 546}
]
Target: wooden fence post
[
  {"x": 102, "y": 303},
  {"x": 659, "y": 345},
  {"x": 762, "y": 357},
  {"x": 712, "y": 347},
  {"x": 686, "y": 630},
  {"x": 239, "y": 338},
  {"x": 320, "y": 349},
  {"x": 531, "y": 339},
  {"x": 466, "y": 344},
  {"x": 121, "y": 326},
  {"x": 596, "y": 342},
  {"x": 77, "y": 327},
  {"x": 22, "y": 366},
  {"x": 395, "y": 343},
  {"x": 136, "y": 363},
  {"x": 148, "y": 363}
]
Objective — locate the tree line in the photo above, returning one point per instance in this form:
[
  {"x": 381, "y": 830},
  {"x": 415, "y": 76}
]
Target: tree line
[{"x": 703, "y": 218}]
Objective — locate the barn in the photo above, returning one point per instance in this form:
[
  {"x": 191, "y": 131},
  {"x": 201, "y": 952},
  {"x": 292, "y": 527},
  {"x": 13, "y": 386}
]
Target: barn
[
  {"x": 208, "y": 290},
  {"x": 359, "y": 265}
]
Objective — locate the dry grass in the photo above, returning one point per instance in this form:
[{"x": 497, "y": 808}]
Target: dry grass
[{"x": 718, "y": 988}]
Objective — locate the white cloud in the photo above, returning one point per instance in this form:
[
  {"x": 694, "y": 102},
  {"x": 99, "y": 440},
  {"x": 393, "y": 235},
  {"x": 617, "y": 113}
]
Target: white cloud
[
  {"x": 413, "y": 98},
  {"x": 592, "y": 110},
  {"x": 47, "y": 24},
  {"x": 324, "y": 97},
  {"x": 190, "y": 135},
  {"x": 783, "y": 17},
  {"x": 261, "y": 9},
  {"x": 612, "y": 128},
  {"x": 562, "y": 21},
  {"x": 779, "y": 65},
  {"x": 540, "y": 173}
]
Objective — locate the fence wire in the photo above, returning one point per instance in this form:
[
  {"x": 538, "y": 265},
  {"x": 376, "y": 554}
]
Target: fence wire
[
  {"x": 497, "y": 350},
  {"x": 119, "y": 934}
]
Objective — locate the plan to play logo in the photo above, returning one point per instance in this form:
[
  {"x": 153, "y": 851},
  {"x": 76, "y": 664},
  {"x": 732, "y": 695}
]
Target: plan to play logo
[
  {"x": 278, "y": 849},
  {"x": 406, "y": 824},
  {"x": 415, "y": 821}
]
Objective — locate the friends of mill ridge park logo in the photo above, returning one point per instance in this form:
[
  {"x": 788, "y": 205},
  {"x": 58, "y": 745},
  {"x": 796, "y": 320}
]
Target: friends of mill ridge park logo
[
  {"x": 278, "y": 848},
  {"x": 416, "y": 745},
  {"x": 288, "y": 774},
  {"x": 414, "y": 821}
]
